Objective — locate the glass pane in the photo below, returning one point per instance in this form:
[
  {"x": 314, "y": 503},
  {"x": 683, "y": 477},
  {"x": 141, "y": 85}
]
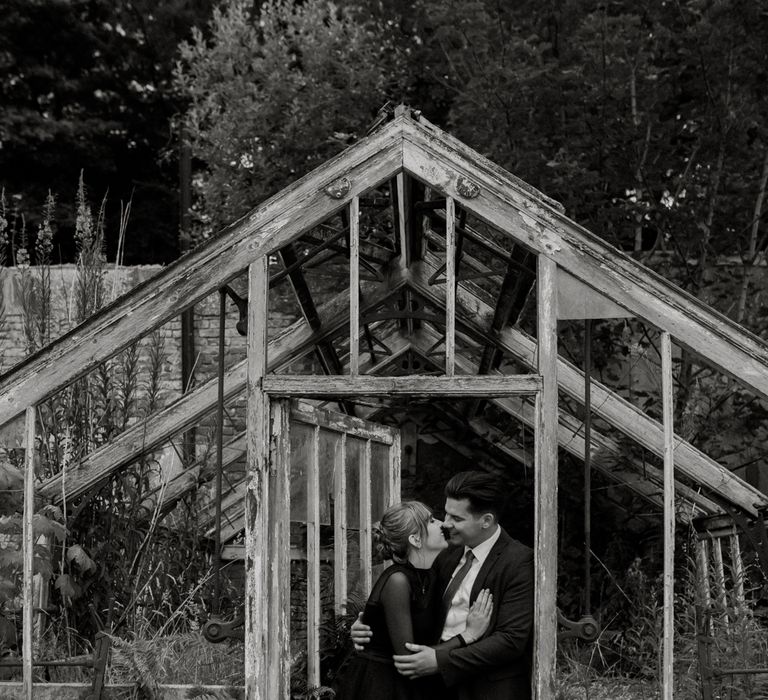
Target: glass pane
[
  {"x": 302, "y": 436},
  {"x": 355, "y": 451},
  {"x": 379, "y": 479},
  {"x": 330, "y": 455}
]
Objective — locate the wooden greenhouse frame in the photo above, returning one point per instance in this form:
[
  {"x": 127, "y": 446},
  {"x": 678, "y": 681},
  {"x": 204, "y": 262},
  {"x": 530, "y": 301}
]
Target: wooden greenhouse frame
[{"x": 404, "y": 151}]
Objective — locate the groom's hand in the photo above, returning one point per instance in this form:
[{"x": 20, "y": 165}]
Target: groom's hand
[
  {"x": 360, "y": 633},
  {"x": 422, "y": 662}
]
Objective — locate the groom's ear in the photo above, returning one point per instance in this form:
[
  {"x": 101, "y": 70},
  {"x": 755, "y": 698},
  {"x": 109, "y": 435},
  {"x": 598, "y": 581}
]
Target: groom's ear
[{"x": 488, "y": 520}]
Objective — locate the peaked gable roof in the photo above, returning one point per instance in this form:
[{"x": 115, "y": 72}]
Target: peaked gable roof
[{"x": 425, "y": 152}]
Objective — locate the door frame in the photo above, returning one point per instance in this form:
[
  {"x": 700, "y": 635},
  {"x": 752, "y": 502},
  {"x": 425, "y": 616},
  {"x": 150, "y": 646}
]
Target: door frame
[{"x": 265, "y": 656}]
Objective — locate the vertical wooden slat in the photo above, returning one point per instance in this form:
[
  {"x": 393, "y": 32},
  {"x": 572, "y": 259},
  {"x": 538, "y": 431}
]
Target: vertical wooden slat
[
  {"x": 340, "y": 525},
  {"x": 403, "y": 206},
  {"x": 737, "y": 571},
  {"x": 450, "y": 286},
  {"x": 722, "y": 598},
  {"x": 365, "y": 520},
  {"x": 702, "y": 560},
  {"x": 395, "y": 455},
  {"x": 545, "y": 621},
  {"x": 669, "y": 516},
  {"x": 29, "y": 551},
  {"x": 313, "y": 562},
  {"x": 256, "y": 497},
  {"x": 354, "y": 286},
  {"x": 279, "y": 562}
]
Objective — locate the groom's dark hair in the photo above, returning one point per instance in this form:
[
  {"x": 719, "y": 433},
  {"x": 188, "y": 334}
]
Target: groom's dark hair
[{"x": 484, "y": 492}]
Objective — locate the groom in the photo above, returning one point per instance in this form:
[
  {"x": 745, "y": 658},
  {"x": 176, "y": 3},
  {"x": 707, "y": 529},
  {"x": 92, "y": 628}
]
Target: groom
[{"x": 497, "y": 665}]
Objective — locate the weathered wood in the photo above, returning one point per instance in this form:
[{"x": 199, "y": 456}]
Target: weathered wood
[
  {"x": 164, "y": 497},
  {"x": 338, "y": 422},
  {"x": 722, "y": 596},
  {"x": 608, "y": 405},
  {"x": 702, "y": 562},
  {"x": 450, "y": 286},
  {"x": 667, "y": 389},
  {"x": 340, "y": 529},
  {"x": 531, "y": 219},
  {"x": 545, "y": 489},
  {"x": 404, "y": 212},
  {"x": 259, "y": 676},
  {"x": 607, "y": 455},
  {"x": 187, "y": 410},
  {"x": 28, "y": 539},
  {"x": 313, "y": 562},
  {"x": 263, "y": 231},
  {"x": 737, "y": 572},
  {"x": 365, "y": 520},
  {"x": 354, "y": 287},
  {"x": 278, "y": 546},
  {"x": 414, "y": 385}
]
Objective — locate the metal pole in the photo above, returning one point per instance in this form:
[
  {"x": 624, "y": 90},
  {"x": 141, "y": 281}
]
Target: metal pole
[
  {"x": 587, "y": 466},
  {"x": 219, "y": 453}
]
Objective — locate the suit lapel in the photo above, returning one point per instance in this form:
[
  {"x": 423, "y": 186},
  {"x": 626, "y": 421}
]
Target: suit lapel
[{"x": 488, "y": 564}]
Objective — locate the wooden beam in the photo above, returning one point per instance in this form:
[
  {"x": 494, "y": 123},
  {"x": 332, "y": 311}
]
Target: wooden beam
[
  {"x": 365, "y": 520},
  {"x": 354, "y": 287},
  {"x": 313, "y": 562},
  {"x": 340, "y": 529},
  {"x": 259, "y": 675},
  {"x": 28, "y": 551},
  {"x": 450, "y": 287},
  {"x": 607, "y": 455},
  {"x": 278, "y": 547},
  {"x": 187, "y": 410},
  {"x": 414, "y": 385},
  {"x": 545, "y": 489},
  {"x": 476, "y": 315},
  {"x": 263, "y": 231},
  {"x": 535, "y": 221},
  {"x": 668, "y": 641}
]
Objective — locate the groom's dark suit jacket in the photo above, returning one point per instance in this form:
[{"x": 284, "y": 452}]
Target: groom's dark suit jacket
[{"x": 497, "y": 666}]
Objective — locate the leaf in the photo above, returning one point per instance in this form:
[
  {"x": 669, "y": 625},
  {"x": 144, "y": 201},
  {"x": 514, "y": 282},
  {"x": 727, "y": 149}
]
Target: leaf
[
  {"x": 77, "y": 554},
  {"x": 47, "y": 527},
  {"x": 66, "y": 586}
]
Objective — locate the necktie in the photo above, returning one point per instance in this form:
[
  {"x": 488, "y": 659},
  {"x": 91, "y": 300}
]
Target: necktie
[{"x": 458, "y": 577}]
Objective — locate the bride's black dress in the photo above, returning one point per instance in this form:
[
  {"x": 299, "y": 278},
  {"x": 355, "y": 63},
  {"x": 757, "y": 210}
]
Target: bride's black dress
[{"x": 403, "y": 607}]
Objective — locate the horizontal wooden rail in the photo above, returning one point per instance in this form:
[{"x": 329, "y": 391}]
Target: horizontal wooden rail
[{"x": 412, "y": 385}]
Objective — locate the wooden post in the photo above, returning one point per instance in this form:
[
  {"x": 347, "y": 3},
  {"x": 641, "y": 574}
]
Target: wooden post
[
  {"x": 279, "y": 563},
  {"x": 256, "y": 495},
  {"x": 340, "y": 525},
  {"x": 354, "y": 286},
  {"x": 29, "y": 551},
  {"x": 722, "y": 597},
  {"x": 545, "y": 605},
  {"x": 667, "y": 682},
  {"x": 365, "y": 520},
  {"x": 737, "y": 571},
  {"x": 450, "y": 286},
  {"x": 313, "y": 562}
]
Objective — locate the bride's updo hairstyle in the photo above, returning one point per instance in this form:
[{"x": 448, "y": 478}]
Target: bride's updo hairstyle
[{"x": 399, "y": 522}]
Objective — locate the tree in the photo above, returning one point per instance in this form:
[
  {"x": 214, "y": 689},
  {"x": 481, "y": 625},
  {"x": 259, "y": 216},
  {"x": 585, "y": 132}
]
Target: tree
[
  {"x": 86, "y": 86},
  {"x": 274, "y": 93}
]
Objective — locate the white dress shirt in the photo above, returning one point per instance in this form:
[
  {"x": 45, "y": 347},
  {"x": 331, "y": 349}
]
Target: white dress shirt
[{"x": 456, "y": 620}]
